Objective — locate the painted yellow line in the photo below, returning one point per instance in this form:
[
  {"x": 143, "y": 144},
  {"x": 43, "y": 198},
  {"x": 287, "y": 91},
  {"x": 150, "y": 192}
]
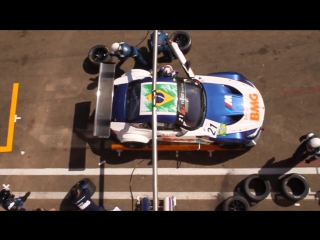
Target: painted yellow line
[{"x": 13, "y": 108}]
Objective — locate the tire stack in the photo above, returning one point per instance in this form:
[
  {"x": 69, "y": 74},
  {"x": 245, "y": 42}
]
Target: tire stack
[{"x": 243, "y": 200}]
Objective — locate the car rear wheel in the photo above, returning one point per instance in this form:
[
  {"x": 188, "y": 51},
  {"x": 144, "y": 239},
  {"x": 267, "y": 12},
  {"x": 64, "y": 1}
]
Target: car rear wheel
[
  {"x": 184, "y": 40},
  {"x": 98, "y": 54}
]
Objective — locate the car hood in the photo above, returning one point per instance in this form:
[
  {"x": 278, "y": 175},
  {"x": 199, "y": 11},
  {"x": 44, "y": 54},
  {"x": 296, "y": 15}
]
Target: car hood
[
  {"x": 222, "y": 105},
  {"x": 233, "y": 103}
]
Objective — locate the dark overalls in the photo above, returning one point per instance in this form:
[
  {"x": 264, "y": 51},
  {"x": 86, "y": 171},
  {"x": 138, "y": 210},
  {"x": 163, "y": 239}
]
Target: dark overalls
[
  {"x": 84, "y": 202},
  {"x": 130, "y": 51},
  {"x": 15, "y": 204},
  {"x": 305, "y": 148},
  {"x": 163, "y": 46}
]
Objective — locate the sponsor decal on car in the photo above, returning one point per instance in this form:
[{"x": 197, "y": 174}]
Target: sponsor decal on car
[
  {"x": 166, "y": 102},
  {"x": 222, "y": 129},
  {"x": 254, "y": 110},
  {"x": 228, "y": 102}
]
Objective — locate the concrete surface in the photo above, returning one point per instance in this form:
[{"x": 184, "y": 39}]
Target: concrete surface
[{"x": 49, "y": 67}]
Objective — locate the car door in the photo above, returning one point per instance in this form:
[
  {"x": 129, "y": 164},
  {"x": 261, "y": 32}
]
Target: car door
[{"x": 168, "y": 132}]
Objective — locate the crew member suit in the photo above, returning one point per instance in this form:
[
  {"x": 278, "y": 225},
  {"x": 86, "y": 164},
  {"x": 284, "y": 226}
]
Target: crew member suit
[
  {"x": 84, "y": 201},
  {"x": 14, "y": 204},
  {"x": 163, "y": 46},
  {"x": 305, "y": 148},
  {"x": 129, "y": 51}
]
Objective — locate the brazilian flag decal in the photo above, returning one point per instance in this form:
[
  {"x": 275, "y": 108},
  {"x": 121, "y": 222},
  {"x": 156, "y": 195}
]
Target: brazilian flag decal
[
  {"x": 166, "y": 99},
  {"x": 222, "y": 129}
]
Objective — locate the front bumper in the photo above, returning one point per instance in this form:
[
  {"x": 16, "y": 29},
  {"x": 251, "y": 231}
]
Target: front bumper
[{"x": 255, "y": 140}]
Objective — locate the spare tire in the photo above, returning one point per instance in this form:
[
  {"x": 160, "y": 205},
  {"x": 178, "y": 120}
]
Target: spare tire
[
  {"x": 99, "y": 54},
  {"x": 300, "y": 189},
  {"x": 236, "y": 203},
  {"x": 184, "y": 40},
  {"x": 261, "y": 184}
]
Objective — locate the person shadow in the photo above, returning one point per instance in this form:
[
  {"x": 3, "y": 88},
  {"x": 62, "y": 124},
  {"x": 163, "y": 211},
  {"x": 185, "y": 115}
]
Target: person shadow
[{"x": 147, "y": 56}]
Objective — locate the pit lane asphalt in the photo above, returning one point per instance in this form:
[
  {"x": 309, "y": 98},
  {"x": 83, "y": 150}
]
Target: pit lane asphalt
[{"x": 48, "y": 65}]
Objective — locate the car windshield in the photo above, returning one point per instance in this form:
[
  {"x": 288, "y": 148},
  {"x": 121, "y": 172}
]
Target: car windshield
[{"x": 191, "y": 104}]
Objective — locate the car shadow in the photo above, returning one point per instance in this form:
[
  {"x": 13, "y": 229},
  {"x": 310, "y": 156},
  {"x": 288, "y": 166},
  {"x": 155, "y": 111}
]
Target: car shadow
[
  {"x": 102, "y": 148},
  {"x": 77, "y": 157}
]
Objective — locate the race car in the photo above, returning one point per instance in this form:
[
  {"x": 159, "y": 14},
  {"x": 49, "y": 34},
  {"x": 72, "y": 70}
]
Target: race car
[{"x": 221, "y": 108}]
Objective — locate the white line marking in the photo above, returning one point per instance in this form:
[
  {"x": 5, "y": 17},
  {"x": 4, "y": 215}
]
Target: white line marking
[
  {"x": 127, "y": 195},
  {"x": 161, "y": 171},
  {"x": 16, "y": 118}
]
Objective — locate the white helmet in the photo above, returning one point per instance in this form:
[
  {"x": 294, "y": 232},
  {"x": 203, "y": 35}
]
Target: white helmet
[
  {"x": 168, "y": 71},
  {"x": 115, "y": 47},
  {"x": 315, "y": 142}
]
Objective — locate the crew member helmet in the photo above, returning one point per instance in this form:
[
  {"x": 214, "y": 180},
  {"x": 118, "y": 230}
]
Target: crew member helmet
[
  {"x": 168, "y": 71},
  {"x": 315, "y": 142},
  {"x": 115, "y": 47}
]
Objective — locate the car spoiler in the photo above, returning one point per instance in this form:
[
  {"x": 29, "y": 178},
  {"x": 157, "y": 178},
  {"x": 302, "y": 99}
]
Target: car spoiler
[
  {"x": 184, "y": 62},
  {"x": 103, "y": 112}
]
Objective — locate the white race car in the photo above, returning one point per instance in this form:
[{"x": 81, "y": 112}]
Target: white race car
[{"x": 217, "y": 108}]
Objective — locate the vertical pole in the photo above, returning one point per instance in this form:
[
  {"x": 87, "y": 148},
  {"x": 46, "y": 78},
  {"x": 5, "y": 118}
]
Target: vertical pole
[{"x": 155, "y": 123}]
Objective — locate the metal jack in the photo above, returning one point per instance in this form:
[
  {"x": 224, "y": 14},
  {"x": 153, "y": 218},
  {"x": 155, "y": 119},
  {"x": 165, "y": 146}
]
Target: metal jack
[{"x": 199, "y": 144}]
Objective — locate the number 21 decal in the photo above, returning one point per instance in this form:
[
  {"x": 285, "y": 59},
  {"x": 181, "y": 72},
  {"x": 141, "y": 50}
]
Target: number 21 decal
[{"x": 211, "y": 128}]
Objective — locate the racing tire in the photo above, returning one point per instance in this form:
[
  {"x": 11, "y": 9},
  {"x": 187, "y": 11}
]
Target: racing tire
[
  {"x": 299, "y": 180},
  {"x": 265, "y": 185},
  {"x": 236, "y": 203},
  {"x": 99, "y": 54},
  {"x": 134, "y": 145},
  {"x": 185, "y": 40}
]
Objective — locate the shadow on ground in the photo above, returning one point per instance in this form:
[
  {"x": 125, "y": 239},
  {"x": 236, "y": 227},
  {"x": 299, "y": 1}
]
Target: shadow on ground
[
  {"x": 82, "y": 134},
  {"x": 89, "y": 67},
  {"x": 77, "y": 158}
]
